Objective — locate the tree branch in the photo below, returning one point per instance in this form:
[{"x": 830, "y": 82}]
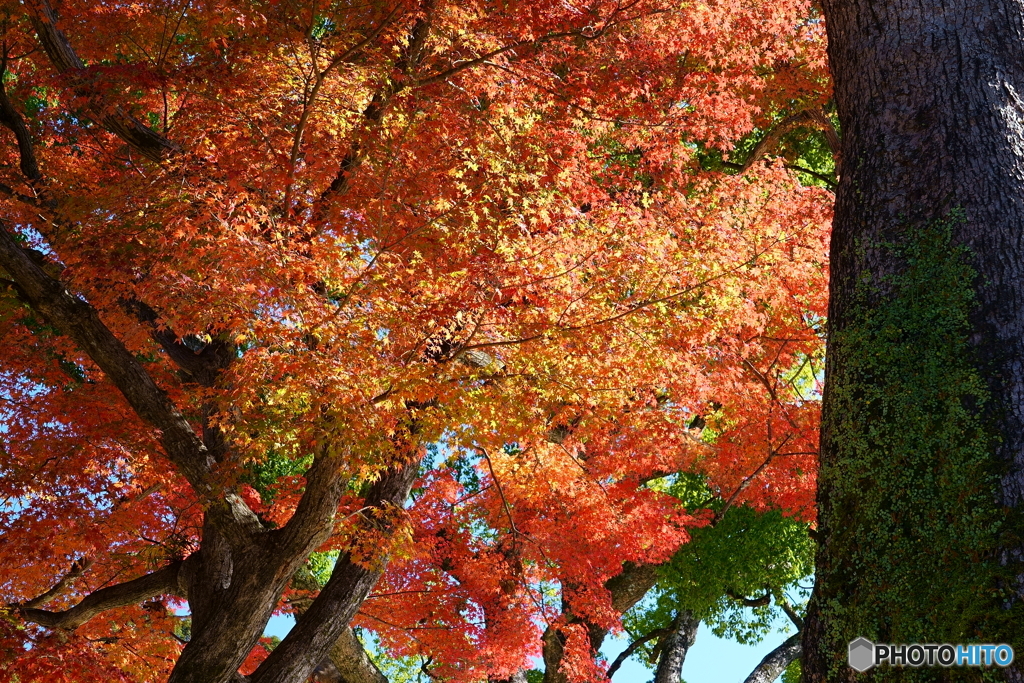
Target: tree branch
[
  {"x": 593, "y": 34},
  {"x": 374, "y": 111},
  {"x": 310, "y": 100},
  {"x": 114, "y": 119},
  {"x": 822, "y": 120},
  {"x": 80, "y": 321},
  {"x": 501, "y": 492},
  {"x": 161, "y": 582},
  {"x": 313, "y": 520},
  {"x": 630, "y": 585},
  {"x": 773, "y": 452},
  {"x": 309, "y": 642},
  {"x": 78, "y": 567},
  {"x": 13, "y": 121},
  {"x": 347, "y": 661},
  {"x": 771, "y": 139},
  {"x": 675, "y": 646},
  {"x": 832, "y": 185},
  {"x": 776, "y": 661},
  {"x": 750, "y": 602},
  {"x": 202, "y": 367},
  {"x": 627, "y": 588},
  {"x": 633, "y": 647},
  {"x": 790, "y": 612},
  {"x": 816, "y": 118}
]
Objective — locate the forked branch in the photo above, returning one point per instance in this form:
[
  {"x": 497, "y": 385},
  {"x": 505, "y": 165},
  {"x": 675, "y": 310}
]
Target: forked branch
[
  {"x": 81, "y": 322},
  {"x": 112, "y": 117},
  {"x": 78, "y": 567},
  {"x": 161, "y": 582},
  {"x": 310, "y": 641}
]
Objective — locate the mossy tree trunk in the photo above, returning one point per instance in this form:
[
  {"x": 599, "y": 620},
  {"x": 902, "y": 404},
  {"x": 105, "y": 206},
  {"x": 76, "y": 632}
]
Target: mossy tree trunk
[{"x": 922, "y": 462}]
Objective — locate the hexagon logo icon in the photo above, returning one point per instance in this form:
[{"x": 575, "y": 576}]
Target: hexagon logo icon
[{"x": 862, "y": 654}]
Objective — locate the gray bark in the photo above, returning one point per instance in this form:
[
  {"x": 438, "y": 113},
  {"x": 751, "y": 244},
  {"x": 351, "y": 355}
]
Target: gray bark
[
  {"x": 776, "y": 661},
  {"x": 929, "y": 97},
  {"x": 348, "y": 663},
  {"x": 675, "y": 647}
]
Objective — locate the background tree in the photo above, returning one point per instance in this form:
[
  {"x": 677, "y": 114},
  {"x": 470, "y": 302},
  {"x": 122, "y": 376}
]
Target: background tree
[
  {"x": 920, "y": 485},
  {"x": 270, "y": 267},
  {"x": 736, "y": 576}
]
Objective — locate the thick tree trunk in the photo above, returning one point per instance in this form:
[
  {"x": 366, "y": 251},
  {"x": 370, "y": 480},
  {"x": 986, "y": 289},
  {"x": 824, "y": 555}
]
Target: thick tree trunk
[
  {"x": 923, "y": 426},
  {"x": 348, "y": 663},
  {"x": 675, "y": 647}
]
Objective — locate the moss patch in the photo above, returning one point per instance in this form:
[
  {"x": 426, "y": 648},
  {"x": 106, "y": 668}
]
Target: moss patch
[{"x": 913, "y": 480}]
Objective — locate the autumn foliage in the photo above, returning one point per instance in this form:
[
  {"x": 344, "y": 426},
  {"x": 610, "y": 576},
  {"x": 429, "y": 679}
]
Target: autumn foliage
[{"x": 507, "y": 241}]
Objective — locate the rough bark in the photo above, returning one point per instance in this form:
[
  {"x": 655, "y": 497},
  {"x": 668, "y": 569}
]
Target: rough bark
[
  {"x": 348, "y": 663},
  {"x": 309, "y": 642},
  {"x": 675, "y": 647},
  {"x": 929, "y": 102},
  {"x": 776, "y": 661},
  {"x": 161, "y": 582}
]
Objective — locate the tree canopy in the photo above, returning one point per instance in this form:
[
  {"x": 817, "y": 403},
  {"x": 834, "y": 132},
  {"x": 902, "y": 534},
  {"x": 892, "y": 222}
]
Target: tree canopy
[{"x": 442, "y": 288}]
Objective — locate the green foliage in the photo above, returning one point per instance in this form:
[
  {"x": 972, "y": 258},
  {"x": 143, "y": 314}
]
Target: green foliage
[
  {"x": 320, "y": 565},
  {"x": 806, "y": 376},
  {"x": 183, "y": 629},
  {"x": 911, "y": 487},
  {"x": 465, "y": 471},
  {"x": 805, "y": 148},
  {"x": 792, "y": 673},
  {"x": 264, "y": 475},
  {"x": 810, "y": 150},
  {"x": 322, "y": 28},
  {"x": 746, "y": 554},
  {"x": 691, "y": 489},
  {"x": 395, "y": 669}
]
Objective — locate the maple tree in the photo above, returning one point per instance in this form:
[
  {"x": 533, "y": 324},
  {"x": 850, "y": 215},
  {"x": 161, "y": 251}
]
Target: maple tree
[
  {"x": 437, "y": 287},
  {"x": 737, "y": 577}
]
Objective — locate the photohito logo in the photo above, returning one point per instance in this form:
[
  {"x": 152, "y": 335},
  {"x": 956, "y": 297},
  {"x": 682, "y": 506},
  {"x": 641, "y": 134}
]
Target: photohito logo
[{"x": 864, "y": 654}]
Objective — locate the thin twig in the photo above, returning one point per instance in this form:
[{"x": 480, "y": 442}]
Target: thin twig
[{"x": 504, "y": 501}]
